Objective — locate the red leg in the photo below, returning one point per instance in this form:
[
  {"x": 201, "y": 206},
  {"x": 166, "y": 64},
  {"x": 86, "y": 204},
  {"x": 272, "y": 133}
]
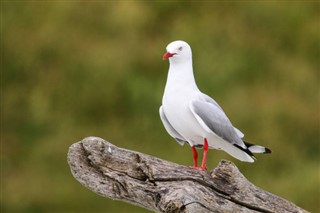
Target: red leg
[
  {"x": 195, "y": 157},
  {"x": 204, "y": 158}
]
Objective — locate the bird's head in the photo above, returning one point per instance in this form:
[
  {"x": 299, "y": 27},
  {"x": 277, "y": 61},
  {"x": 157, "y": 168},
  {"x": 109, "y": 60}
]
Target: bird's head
[{"x": 178, "y": 51}]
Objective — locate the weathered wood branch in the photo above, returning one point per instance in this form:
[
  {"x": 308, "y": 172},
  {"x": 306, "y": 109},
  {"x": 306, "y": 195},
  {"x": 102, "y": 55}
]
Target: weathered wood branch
[{"x": 163, "y": 186}]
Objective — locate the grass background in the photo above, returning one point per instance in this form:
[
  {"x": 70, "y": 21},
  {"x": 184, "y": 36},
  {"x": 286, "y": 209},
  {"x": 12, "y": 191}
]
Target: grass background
[{"x": 93, "y": 68}]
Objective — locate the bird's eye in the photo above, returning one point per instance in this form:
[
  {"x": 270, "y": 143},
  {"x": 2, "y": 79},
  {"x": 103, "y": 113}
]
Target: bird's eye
[{"x": 180, "y": 48}]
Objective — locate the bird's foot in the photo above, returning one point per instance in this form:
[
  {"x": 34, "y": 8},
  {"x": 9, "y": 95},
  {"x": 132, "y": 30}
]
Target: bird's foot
[{"x": 198, "y": 168}]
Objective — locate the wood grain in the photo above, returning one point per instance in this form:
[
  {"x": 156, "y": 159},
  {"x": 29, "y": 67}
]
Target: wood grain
[{"x": 163, "y": 186}]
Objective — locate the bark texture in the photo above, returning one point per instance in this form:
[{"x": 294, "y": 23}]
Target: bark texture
[{"x": 163, "y": 186}]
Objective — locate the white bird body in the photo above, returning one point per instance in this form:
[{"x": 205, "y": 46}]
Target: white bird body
[{"x": 191, "y": 116}]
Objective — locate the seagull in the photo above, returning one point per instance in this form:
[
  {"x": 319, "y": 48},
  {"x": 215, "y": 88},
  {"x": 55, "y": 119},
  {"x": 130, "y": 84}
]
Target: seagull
[{"x": 191, "y": 116}]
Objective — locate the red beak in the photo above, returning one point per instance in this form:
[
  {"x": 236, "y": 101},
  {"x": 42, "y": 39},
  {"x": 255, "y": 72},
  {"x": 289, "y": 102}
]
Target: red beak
[{"x": 167, "y": 55}]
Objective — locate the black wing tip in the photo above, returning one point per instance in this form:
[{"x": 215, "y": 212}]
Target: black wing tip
[
  {"x": 246, "y": 151},
  {"x": 267, "y": 150}
]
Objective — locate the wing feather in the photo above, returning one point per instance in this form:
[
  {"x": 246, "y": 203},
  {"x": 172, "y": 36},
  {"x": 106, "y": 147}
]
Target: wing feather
[
  {"x": 210, "y": 100},
  {"x": 172, "y": 132},
  {"x": 213, "y": 119}
]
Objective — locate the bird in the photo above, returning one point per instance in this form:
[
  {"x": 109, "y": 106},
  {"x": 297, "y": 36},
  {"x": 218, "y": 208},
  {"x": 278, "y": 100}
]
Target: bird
[{"x": 190, "y": 116}]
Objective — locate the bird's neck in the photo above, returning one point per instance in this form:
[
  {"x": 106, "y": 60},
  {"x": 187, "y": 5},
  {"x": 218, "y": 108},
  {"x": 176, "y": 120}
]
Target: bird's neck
[{"x": 181, "y": 74}]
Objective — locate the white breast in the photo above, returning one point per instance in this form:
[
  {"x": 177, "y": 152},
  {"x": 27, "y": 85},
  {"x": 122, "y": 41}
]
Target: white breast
[{"x": 178, "y": 113}]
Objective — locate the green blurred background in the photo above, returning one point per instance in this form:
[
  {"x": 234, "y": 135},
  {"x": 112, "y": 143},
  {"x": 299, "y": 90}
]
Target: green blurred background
[{"x": 72, "y": 70}]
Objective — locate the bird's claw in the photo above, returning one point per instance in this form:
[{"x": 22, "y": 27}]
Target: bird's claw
[{"x": 198, "y": 168}]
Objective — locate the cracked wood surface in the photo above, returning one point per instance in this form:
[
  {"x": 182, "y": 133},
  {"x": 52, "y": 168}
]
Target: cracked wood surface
[{"x": 163, "y": 186}]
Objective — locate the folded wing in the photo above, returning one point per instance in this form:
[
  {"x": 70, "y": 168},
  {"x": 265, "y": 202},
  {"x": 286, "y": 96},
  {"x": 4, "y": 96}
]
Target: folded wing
[
  {"x": 212, "y": 118},
  {"x": 172, "y": 132}
]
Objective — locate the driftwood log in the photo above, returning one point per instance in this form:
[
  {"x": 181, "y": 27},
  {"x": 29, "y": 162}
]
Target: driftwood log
[{"x": 163, "y": 186}]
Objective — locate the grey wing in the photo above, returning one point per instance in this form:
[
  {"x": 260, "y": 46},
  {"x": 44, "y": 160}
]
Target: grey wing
[
  {"x": 210, "y": 100},
  {"x": 213, "y": 119},
  {"x": 172, "y": 132}
]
